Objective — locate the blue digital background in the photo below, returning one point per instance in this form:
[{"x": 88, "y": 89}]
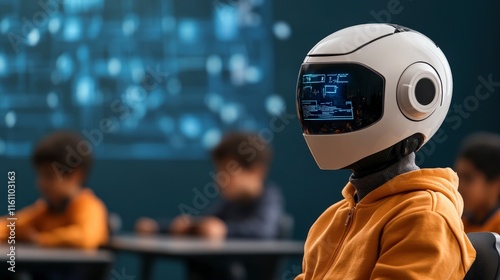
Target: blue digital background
[
  {"x": 466, "y": 32},
  {"x": 161, "y": 79}
]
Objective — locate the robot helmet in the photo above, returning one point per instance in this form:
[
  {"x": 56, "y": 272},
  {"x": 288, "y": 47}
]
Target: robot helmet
[{"x": 368, "y": 89}]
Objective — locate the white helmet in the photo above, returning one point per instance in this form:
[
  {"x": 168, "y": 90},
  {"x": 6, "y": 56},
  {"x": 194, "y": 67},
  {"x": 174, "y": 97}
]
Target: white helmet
[{"x": 368, "y": 88}]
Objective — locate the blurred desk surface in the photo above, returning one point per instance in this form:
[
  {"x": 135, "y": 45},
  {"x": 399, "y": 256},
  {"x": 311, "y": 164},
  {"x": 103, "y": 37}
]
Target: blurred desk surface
[
  {"x": 193, "y": 247},
  {"x": 31, "y": 253},
  {"x": 152, "y": 247},
  {"x": 88, "y": 264}
]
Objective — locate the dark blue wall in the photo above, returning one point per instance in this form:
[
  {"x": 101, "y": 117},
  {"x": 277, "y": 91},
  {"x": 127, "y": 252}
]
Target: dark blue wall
[{"x": 468, "y": 33}]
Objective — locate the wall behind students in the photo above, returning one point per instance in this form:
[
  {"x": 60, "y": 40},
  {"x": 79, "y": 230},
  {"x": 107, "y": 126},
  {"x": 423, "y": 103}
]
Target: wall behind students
[{"x": 467, "y": 32}]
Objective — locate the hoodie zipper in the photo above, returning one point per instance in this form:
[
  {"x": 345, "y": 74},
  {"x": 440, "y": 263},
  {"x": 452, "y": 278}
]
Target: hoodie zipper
[{"x": 347, "y": 227}]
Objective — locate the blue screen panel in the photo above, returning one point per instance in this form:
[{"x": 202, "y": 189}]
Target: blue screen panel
[{"x": 141, "y": 79}]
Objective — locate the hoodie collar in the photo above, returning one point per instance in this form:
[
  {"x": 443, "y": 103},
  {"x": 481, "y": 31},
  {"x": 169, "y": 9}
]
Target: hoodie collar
[
  {"x": 367, "y": 184},
  {"x": 443, "y": 180}
]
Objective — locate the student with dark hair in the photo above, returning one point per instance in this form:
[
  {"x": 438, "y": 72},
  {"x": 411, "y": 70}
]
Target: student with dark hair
[
  {"x": 248, "y": 207},
  {"x": 478, "y": 168},
  {"x": 67, "y": 214}
]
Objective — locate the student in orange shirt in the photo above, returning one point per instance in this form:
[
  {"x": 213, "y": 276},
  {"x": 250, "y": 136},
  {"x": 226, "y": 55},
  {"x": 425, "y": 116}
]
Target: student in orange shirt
[
  {"x": 478, "y": 167},
  {"x": 67, "y": 214}
]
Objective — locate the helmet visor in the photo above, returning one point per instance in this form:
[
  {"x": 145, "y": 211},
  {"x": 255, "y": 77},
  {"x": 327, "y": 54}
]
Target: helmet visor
[{"x": 338, "y": 98}]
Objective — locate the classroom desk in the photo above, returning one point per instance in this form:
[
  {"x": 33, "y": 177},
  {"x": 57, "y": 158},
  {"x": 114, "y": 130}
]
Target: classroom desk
[
  {"x": 150, "y": 248},
  {"x": 32, "y": 258}
]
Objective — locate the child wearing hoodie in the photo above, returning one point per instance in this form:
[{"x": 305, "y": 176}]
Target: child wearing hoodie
[
  {"x": 392, "y": 87},
  {"x": 478, "y": 167}
]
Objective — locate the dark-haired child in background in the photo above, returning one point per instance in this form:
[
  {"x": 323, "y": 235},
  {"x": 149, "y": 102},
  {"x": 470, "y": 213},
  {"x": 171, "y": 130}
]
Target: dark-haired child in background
[
  {"x": 478, "y": 168},
  {"x": 248, "y": 207},
  {"x": 67, "y": 214}
]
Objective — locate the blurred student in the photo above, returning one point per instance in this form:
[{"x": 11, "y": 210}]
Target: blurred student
[
  {"x": 248, "y": 207},
  {"x": 478, "y": 168},
  {"x": 67, "y": 213}
]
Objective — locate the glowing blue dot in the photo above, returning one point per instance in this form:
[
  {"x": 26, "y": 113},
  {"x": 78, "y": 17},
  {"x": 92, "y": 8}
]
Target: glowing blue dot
[
  {"x": 190, "y": 126},
  {"x": 3, "y": 147},
  {"x": 33, "y": 37},
  {"x": 211, "y": 138},
  {"x": 214, "y": 64},
  {"x": 52, "y": 100},
  {"x": 77, "y": 6},
  {"x": 226, "y": 21},
  {"x": 253, "y": 74},
  {"x": 275, "y": 105},
  {"x": 237, "y": 61},
  {"x": 137, "y": 70},
  {"x": 10, "y": 119},
  {"x": 3, "y": 64},
  {"x": 229, "y": 113},
  {"x": 72, "y": 29},
  {"x": 135, "y": 95},
  {"x": 129, "y": 25},
  {"x": 114, "y": 66},
  {"x": 174, "y": 86},
  {"x": 166, "y": 124},
  {"x": 214, "y": 101},
  {"x": 5, "y": 25},
  {"x": 188, "y": 31},
  {"x": 64, "y": 65},
  {"x": 85, "y": 91},
  {"x": 282, "y": 30},
  {"x": 54, "y": 25}
]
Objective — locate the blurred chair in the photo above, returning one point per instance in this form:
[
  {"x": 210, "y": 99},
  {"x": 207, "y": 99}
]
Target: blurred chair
[{"x": 487, "y": 263}]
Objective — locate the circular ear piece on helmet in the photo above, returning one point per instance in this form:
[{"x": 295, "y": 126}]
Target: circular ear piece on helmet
[{"x": 419, "y": 91}]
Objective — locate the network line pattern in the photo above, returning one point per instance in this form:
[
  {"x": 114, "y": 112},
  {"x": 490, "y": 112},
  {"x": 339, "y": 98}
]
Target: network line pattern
[{"x": 159, "y": 79}]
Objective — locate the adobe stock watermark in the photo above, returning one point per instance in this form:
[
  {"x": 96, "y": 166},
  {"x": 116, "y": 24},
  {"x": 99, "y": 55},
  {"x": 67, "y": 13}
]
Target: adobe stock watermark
[
  {"x": 122, "y": 275},
  {"x": 394, "y": 7},
  {"x": 48, "y": 9},
  {"x": 291, "y": 273},
  {"x": 248, "y": 149},
  {"x": 458, "y": 113},
  {"x": 121, "y": 110},
  {"x": 367, "y": 32}
]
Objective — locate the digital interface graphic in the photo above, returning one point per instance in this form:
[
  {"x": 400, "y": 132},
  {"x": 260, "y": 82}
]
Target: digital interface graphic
[
  {"x": 156, "y": 79},
  {"x": 324, "y": 97},
  {"x": 338, "y": 97}
]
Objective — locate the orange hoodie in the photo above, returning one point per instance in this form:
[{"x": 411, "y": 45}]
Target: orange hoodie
[
  {"x": 408, "y": 228},
  {"x": 83, "y": 223}
]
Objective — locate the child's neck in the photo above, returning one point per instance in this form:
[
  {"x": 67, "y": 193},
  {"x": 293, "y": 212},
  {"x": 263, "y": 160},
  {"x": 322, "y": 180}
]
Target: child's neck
[
  {"x": 68, "y": 196},
  {"x": 364, "y": 185},
  {"x": 251, "y": 194}
]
